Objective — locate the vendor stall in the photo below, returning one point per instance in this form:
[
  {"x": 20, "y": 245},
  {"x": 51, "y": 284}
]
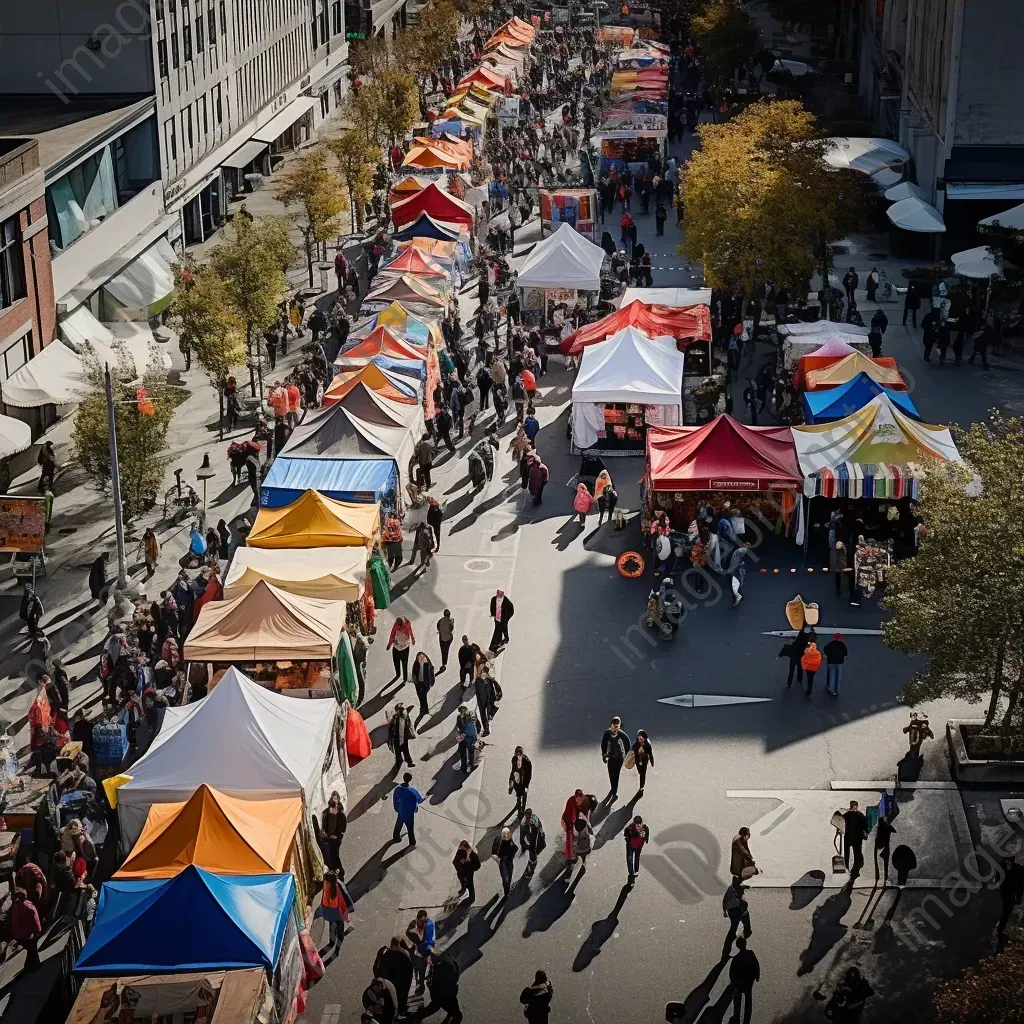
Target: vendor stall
[
  {"x": 796, "y": 348},
  {"x": 689, "y": 323},
  {"x": 434, "y": 202},
  {"x": 379, "y": 380},
  {"x": 413, "y": 291},
  {"x": 839, "y": 402},
  {"x": 559, "y": 269},
  {"x": 316, "y": 521},
  {"x": 424, "y": 226},
  {"x": 349, "y": 481},
  {"x": 333, "y": 573},
  {"x": 576, "y": 207},
  {"x": 415, "y": 261},
  {"x": 381, "y": 342},
  {"x": 881, "y": 370}
]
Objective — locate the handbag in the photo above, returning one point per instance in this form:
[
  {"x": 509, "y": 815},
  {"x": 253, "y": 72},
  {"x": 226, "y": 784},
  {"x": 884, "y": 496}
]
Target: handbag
[
  {"x": 629, "y": 761},
  {"x": 496, "y": 687}
]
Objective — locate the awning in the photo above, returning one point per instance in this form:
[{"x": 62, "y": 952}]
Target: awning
[
  {"x": 80, "y": 328},
  {"x": 984, "y": 190},
  {"x": 137, "y": 340},
  {"x": 15, "y": 436},
  {"x": 906, "y": 190},
  {"x": 115, "y": 342},
  {"x": 54, "y": 377},
  {"x": 985, "y": 172},
  {"x": 245, "y": 156},
  {"x": 916, "y": 215},
  {"x": 280, "y": 123},
  {"x": 979, "y": 262},
  {"x": 148, "y": 280}
]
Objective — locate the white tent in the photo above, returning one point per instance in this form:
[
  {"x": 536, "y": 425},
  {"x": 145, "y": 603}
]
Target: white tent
[
  {"x": 905, "y": 190},
  {"x": 827, "y": 328},
  {"x": 916, "y": 215},
  {"x": 802, "y": 339},
  {"x": 979, "y": 262},
  {"x": 676, "y": 297},
  {"x": 1012, "y": 219},
  {"x": 564, "y": 259},
  {"x": 243, "y": 740},
  {"x": 867, "y": 155},
  {"x": 629, "y": 368}
]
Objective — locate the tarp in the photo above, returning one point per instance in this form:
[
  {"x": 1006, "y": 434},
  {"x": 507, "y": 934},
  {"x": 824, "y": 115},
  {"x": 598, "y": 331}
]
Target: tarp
[
  {"x": 656, "y": 321},
  {"x": 808, "y": 352},
  {"x": 414, "y": 329},
  {"x": 433, "y": 201},
  {"x": 216, "y": 832},
  {"x": 835, "y": 403},
  {"x": 431, "y": 247},
  {"x": 881, "y": 370},
  {"x": 357, "y": 481},
  {"x": 826, "y": 328},
  {"x": 406, "y": 288},
  {"x": 265, "y": 624},
  {"x": 194, "y": 921},
  {"x": 414, "y": 261},
  {"x": 723, "y": 455},
  {"x": 412, "y": 368},
  {"x": 315, "y": 521},
  {"x": 242, "y": 739},
  {"x": 631, "y": 367},
  {"x": 379, "y": 380},
  {"x": 336, "y": 574},
  {"x": 424, "y": 226},
  {"x": 380, "y": 342},
  {"x": 565, "y": 259}
]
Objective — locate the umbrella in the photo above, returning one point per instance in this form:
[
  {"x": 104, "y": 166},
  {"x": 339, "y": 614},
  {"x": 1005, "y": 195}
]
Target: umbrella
[
  {"x": 865, "y": 155},
  {"x": 1013, "y": 219},
  {"x": 797, "y": 68},
  {"x": 887, "y": 177},
  {"x": 905, "y": 190},
  {"x": 980, "y": 261},
  {"x": 916, "y": 215}
]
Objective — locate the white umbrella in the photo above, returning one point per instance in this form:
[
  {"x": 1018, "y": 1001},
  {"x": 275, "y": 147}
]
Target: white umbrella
[
  {"x": 887, "y": 177},
  {"x": 905, "y": 190},
  {"x": 1007, "y": 219},
  {"x": 916, "y": 215},
  {"x": 15, "y": 436},
  {"x": 797, "y": 68},
  {"x": 866, "y": 155},
  {"x": 980, "y": 261}
]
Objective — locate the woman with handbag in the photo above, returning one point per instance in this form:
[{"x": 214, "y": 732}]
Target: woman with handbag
[
  {"x": 642, "y": 755},
  {"x": 423, "y": 680}
]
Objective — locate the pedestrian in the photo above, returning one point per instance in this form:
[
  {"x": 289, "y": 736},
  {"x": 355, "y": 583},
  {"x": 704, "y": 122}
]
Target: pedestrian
[
  {"x": 466, "y": 863},
  {"x": 636, "y": 835},
  {"x": 810, "y": 662},
  {"x": 333, "y": 825},
  {"x": 536, "y": 999},
  {"x": 501, "y": 611},
  {"x": 26, "y": 927},
  {"x": 531, "y": 837},
  {"x": 224, "y": 540},
  {"x": 420, "y": 937},
  {"x": 380, "y": 1002},
  {"x": 98, "y": 578},
  {"x": 583, "y": 846},
  {"x": 504, "y": 850},
  {"x": 911, "y": 304},
  {"x": 484, "y": 699},
  {"x": 981, "y": 340},
  {"x": 741, "y": 861},
  {"x": 1011, "y": 891},
  {"x": 884, "y": 832},
  {"x": 537, "y": 476},
  {"x": 835, "y": 655},
  {"x": 854, "y": 834},
  {"x": 47, "y": 460},
  {"x": 744, "y": 970},
  {"x": 399, "y": 642},
  {"x": 435, "y": 516},
  {"x": 423, "y": 544},
  {"x": 582, "y": 502},
  {"x": 394, "y": 964},
  {"x": 850, "y": 282},
  {"x": 423, "y": 680},
  {"x": 735, "y": 908},
  {"x": 467, "y": 657},
  {"x": 445, "y": 634},
  {"x": 400, "y": 731},
  {"x": 839, "y": 567},
  {"x": 930, "y": 336},
  {"x": 847, "y": 1002},
  {"x": 519, "y": 779},
  {"x": 872, "y": 284},
  {"x": 614, "y": 745},
  {"x": 643, "y": 755},
  {"x": 660, "y": 216},
  {"x": 444, "y": 988},
  {"x": 391, "y": 538},
  {"x": 406, "y": 800},
  {"x": 467, "y": 730},
  {"x": 606, "y": 502},
  {"x": 333, "y": 908},
  {"x": 423, "y": 453}
]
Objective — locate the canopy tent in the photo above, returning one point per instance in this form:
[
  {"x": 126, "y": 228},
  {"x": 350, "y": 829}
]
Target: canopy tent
[
  {"x": 409, "y": 184},
  {"x": 424, "y": 226},
  {"x": 881, "y": 370},
  {"x": 814, "y": 351},
  {"x": 826, "y": 328},
  {"x": 675, "y": 298},
  {"x": 194, "y": 921},
  {"x": 414, "y": 261},
  {"x": 370, "y": 407},
  {"x": 980, "y": 262},
  {"x": 686, "y": 322},
  {"x": 433, "y": 248},
  {"x": 916, "y": 215},
  {"x": 484, "y": 76},
  {"x": 414, "y": 368},
  {"x": 416, "y": 330},
  {"x": 565, "y": 259},
  {"x": 429, "y": 157},
  {"x": 384, "y": 383},
  {"x": 315, "y": 521},
  {"x": 442, "y": 206},
  {"x": 353, "y": 481},
  {"x": 245, "y": 741},
  {"x": 53, "y": 377},
  {"x": 1010, "y": 219},
  {"x": 216, "y": 832},
  {"x": 447, "y": 143},
  {"x": 465, "y": 116},
  {"x": 406, "y": 288},
  {"x": 723, "y": 455},
  {"x": 336, "y": 574},
  {"x": 867, "y": 155},
  {"x": 835, "y": 403},
  {"x": 380, "y": 342},
  {"x": 877, "y": 452},
  {"x": 506, "y": 49},
  {"x": 521, "y": 29},
  {"x": 15, "y": 436}
]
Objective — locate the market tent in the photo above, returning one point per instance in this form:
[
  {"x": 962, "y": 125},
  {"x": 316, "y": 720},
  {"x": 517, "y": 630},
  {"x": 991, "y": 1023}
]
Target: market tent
[
  {"x": 370, "y": 407},
  {"x": 404, "y": 187},
  {"x": 521, "y": 29},
  {"x": 916, "y": 215},
  {"x": 15, "y": 436},
  {"x": 686, "y": 322},
  {"x": 336, "y": 574},
  {"x": 194, "y": 921},
  {"x": 431, "y": 200},
  {"x": 424, "y": 226},
  {"x": 406, "y": 288},
  {"x": 631, "y": 367},
  {"x": 381, "y": 381},
  {"x": 414, "y": 329},
  {"x": 222, "y": 834},
  {"x": 484, "y": 76},
  {"x": 810, "y": 352},
  {"x": 826, "y": 328},
  {"x": 413, "y": 368},
  {"x": 881, "y": 370},
  {"x": 1012, "y": 219},
  {"x": 979, "y": 262},
  {"x": 433, "y": 248},
  {"x": 413, "y": 261},
  {"x": 835, "y": 403},
  {"x": 242, "y": 739},
  {"x": 565, "y": 259},
  {"x": 429, "y": 157},
  {"x": 723, "y": 455},
  {"x": 353, "y": 481},
  {"x": 53, "y": 377},
  {"x": 315, "y": 521},
  {"x": 876, "y": 452},
  {"x": 380, "y": 342}
]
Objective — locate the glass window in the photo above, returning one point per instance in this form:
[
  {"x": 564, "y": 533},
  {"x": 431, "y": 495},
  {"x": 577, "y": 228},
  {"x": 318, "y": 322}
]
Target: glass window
[
  {"x": 199, "y": 33},
  {"x": 82, "y": 199},
  {"x": 159, "y": 10},
  {"x": 313, "y": 27},
  {"x": 187, "y": 118},
  {"x": 206, "y": 119},
  {"x": 161, "y": 56},
  {"x": 136, "y": 160},
  {"x": 15, "y": 356},
  {"x": 186, "y": 39},
  {"x": 211, "y": 26},
  {"x": 171, "y": 138},
  {"x": 223, "y": 18},
  {"x": 12, "y": 269},
  {"x": 336, "y": 24},
  {"x": 322, "y": 18},
  {"x": 175, "y": 62},
  {"x": 217, "y": 104}
]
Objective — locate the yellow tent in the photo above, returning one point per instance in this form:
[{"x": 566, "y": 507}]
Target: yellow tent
[
  {"x": 848, "y": 368},
  {"x": 315, "y": 521},
  {"x": 216, "y": 832},
  {"x": 333, "y": 574},
  {"x": 409, "y": 184}
]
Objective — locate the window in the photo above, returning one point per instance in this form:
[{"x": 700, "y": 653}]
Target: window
[
  {"x": 12, "y": 270},
  {"x": 314, "y": 27},
  {"x": 223, "y": 18},
  {"x": 337, "y": 94},
  {"x": 82, "y": 199},
  {"x": 218, "y": 110},
  {"x": 336, "y": 22},
  {"x": 186, "y": 125},
  {"x": 206, "y": 121},
  {"x": 159, "y": 10},
  {"x": 211, "y": 26},
  {"x": 199, "y": 32},
  {"x": 136, "y": 160},
  {"x": 325, "y": 103},
  {"x": 186, "y": 39},
  {"x": 171, "y": 139},
  {"x": 15, "y": 356},
  {"x": 322, "y": 18},
  {"x": 161, "y": 56},
  {"x": 175, "y": 62}
]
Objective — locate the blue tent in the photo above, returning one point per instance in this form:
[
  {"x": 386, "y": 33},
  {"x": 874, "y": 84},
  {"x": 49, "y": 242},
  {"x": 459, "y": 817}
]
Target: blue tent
[
  {"x": 362, "y": 480},
  {"x": 837, "y": 403},
  {"x": 195, "y": 921},
  {"x": 424, "y": 226},
  {"x": 404, "y": 367}
]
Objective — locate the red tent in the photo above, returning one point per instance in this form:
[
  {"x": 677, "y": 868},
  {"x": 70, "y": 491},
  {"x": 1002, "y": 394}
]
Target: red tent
[
  {"x": 435, "y": 203},
  {"x": 380, "y": 342},
  {"x": 723, "y": 455},
  {"x": 655, "y": 321},
  {"x": 413, "y": 261}
]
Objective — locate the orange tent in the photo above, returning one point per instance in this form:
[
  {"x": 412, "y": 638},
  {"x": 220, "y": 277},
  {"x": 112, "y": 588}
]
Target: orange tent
[
  {"x": 218, "y": 833},
  {"x": 413, "y": 261},
  {"x": 381, "y": 342},
  {"x": 487, "y": 77},
  {"x": 376, "y": 379},
  {"x": 461, "y": 149},
  {"x": 427, "y": 156},
  {"x": 430, "y": 247}
]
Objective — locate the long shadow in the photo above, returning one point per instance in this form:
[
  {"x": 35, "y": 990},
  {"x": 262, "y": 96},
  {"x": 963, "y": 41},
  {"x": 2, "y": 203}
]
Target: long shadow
[
  {"x": 467, "y": 948},
  {"x": 370, "y": 799},
  {"x": 600, "y": 932},
  {"x": 715, "y": 1013},
  {"x": 547, "y": 909},
  {"x": 826, "y": 930},
  {"x": 567, "y": 533},
  {"x": 452, "y": 699},
  {"x": 457, "y": 506},
  {"x": 615, "y": 823},
  {"x": 63, "y": 616},
  {"x": 448, "y": 779},
  {"x": 806, "y": 890},
  {"x": 370, "y": 875},
  {"x": 690, "y": 1008},
  {"x": 485, "y": 506}
]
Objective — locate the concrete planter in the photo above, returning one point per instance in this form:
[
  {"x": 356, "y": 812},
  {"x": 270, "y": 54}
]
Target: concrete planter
[{"x": 985, "y": 771}]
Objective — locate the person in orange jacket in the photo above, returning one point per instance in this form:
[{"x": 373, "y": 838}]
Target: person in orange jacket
[{"x": 810, "y": 663}]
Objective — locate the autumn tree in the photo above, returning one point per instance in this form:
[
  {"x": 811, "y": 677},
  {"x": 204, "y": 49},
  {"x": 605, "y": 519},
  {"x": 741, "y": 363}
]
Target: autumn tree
[
  {"x": 960, "y": 600},
  {"x": 727, "y": 40},
  {"x": 369, "y": 58},
  {"x": 387, "y": 107},
  {"x": 426, "y": 45},
  {"x": 989, "y": 993},
  {"x": 357, "y": 159},
  {"x": 472, "y": 8}
]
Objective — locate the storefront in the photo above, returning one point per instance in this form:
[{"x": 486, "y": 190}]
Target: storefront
[
  {"x": 204, "y": 213},
  {"x": 246, "y": 168}
]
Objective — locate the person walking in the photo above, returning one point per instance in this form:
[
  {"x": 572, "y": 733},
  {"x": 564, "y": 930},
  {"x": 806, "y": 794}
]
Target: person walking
[
  {"x": 501, "y": 612},
  {"x": 423, "y": 680},
  {"x": 423, "y": 453},
  {"x": 735, "y": 908},
  {"x": 583, "y": 845},
  {"x": 536, "y": 999},
  {"x": 884, "y": 831},
  {"x": 532, "y": 839},
  {"x": 643, "y": 755},
  {"x": 151, "y": 550},
  {"x": 380, "y": 1002},
  {"x": 839, "y": 567},
  {"x": 394, "y": 964},
  {"x": 911, "y": 304},
  {"x": 47, "y": 461},
  {"x": 443, "y": 987},
  {"x": 406, "y": 800},
  {"x": 420, "y": 937},
  {"x": 467, "y": 729},
  {"x": 26, "y": 927},
  {"x": 854, "y": 834},
  {"x": 614, "y": 745},
  {"x": 810, "y": 662},
  {"x": 794, "y": 650},
  {"x": 445, "y": 634},
  {"x": 835, "y": 656},
  {"x": 537, "y": 477},
  {"x": 504, "y": 850},
  {"x": 636, "y": 835},
  {"x": 333, "y": 825},
  {"x": 741, "y": 861},
  {"x": 850, "y": 282},
  {"x": 467, "y": 657},
  {"x": 744, "y": 970},
  {"x": 519, "y": 779},
  {"x": 484, "y": 700},
  {"x": 466, "y": 863},
  {"x": 333, "y": 908},
  {"x": 400, "y": 731},
  {"x": 399, "y": 642}
]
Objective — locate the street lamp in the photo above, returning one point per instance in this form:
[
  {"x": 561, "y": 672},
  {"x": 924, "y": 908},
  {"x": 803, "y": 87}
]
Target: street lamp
[{"x": 204, "y": 473}]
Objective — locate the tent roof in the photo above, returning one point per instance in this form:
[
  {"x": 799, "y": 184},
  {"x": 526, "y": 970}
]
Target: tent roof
[
  {"x": 219, "y": 833},
  {"x": 406, "y": 288},
  {"x": 826, "y": 328},
  {"x": 264, "y": 624},
  {"x": 433, "y": 201},
  {"x": 414, "y": 261},
  {"x": 424, "y": 226},
  {"x": 435, "y": 248},
  {"x": 722, "y": 455},
  {"x": 835, "y": 403},
  {"x": 882, "y": 370},
  {"x": 414, "y": 329},
  {"x": 427, "y": 156},
  {"x": 382, "y": 341},
  {"x": 363, "y": 481},
  {"x": 193, "y": 921},
  {"x": 384, "y": 383},
  {"x": 685, "y": 322},
  {"x": 411, "y": 183},
  {"x": 565, "y": 259},
  {"x": 335, "y": 573},
  {"x": 916, "y": 215},
  {"x": 315, "y": 521},
  {"x": 631, "y": 367},
  {"x": 834, "y": 348},
  {"x": 370, "y": 407},
  {"x": 867, "y": 155},
  {"x": 485, "y": 75}
]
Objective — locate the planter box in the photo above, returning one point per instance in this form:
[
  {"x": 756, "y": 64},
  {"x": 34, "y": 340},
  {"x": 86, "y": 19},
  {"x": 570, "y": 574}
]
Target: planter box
[{"x": 990, "y": 771}]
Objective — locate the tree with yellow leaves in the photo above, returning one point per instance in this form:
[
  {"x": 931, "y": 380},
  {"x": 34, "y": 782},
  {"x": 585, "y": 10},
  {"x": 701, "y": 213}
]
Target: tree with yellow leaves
[
  {"x": 426, "y": 45},
  {"x": 357, "y": 158},
  {"x": 387, "y": 107},
  {"x": 727, "y": 40}
]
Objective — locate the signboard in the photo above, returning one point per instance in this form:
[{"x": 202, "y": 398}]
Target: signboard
[
  {"x": 576, "y": 207},
  {"x": 560, "y": 15},
  {"x": 22, "y": 524},
  {"x": 509, "y": 112}
]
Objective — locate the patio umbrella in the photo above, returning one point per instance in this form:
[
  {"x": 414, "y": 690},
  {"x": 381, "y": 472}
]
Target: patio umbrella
[
  {"x": 980, "y": 262},
  {"x": 1013, "y": 219},
  {"x": 916, "y": 215},
  {"x": 906, "y": 190},
  {"x": 865, "y": 155}
]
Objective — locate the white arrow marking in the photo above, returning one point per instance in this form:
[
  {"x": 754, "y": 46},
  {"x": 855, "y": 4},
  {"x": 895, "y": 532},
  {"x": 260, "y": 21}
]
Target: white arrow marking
[
  {"x": 852, "y": 631},
  {"x": 709, "y": 700}
]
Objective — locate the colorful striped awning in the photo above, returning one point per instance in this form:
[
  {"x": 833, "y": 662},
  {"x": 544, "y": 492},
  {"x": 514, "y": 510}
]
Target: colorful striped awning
[{"x": 865, "y": 480}]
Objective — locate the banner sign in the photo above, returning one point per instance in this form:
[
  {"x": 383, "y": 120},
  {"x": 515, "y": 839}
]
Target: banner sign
[{"x": 22, "y": 524}]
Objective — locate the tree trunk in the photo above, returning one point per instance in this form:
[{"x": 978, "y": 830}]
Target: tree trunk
[
  {"x": 248, "y": 350},
  {"x": 309, "y": 257},
  {"x": 220, "y": 411},
  {"x": 997, "y": 685},
  {"x": 1011, "y": 706}
]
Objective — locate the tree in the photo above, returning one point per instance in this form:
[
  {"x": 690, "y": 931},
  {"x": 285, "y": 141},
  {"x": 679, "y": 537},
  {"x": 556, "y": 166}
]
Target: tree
[
  {"x": 368, "y": 58},
  {"x": 142, "y": 416},
  {"x": 387, "y": 107},
  {"x": 426, "y": 45},
  {"x": 357, "y": 158},
  {"x": 960, "y": 600},
  {"x": 989, "y": 993},
  {"x": 252, "y": 262},
  {"x": 473, "y": 8},
  {"x": 760, "y": 204},
  {"x": 727, "y": 40},
  {"x": 313, "y": 183}
]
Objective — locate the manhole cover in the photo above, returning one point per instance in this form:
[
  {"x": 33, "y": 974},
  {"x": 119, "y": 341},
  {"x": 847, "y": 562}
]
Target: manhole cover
[
  {"x": 66, "y": 531},
  {"x": 479, "y": 565}
]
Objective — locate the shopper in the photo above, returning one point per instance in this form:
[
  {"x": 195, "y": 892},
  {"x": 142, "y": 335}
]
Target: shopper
[
  {"x": 406, "y": 800},
  {"x": 445, "y": 634},
  {"x": 536, "y": 999},
  {"x": 614, "y": 745},
  {"x": 835, "y": 656},
  {"x": 519, "y": 779},
  {"x": 643, "y": 755},
  {"x": 636, "y": 835},
  {"x": 399, "y": 642}
]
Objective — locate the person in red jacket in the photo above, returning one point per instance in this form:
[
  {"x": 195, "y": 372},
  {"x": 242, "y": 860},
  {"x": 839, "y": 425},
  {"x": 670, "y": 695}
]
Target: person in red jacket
[
  {"x": 26, "y": 927},
  {"x": 810, "y": 663}
]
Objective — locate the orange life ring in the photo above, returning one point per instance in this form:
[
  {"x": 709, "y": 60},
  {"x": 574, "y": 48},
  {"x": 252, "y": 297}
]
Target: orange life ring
[{"x": 630, "y": 564}]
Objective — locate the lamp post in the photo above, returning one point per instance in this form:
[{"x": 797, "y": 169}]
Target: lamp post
[
  {"x": 204, "y": 473},
  {"x": 115, "y": 482}
]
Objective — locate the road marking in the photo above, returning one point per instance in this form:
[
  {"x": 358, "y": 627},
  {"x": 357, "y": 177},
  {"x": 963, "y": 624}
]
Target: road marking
[
  {"x": 846, "y": 631},
  {"x": 709, "y": 700}
]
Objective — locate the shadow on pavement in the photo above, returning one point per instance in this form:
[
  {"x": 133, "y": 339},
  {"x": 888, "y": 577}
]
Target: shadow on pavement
[
  {"x": 827, "y": 929},
  {"x": 600, "y": 932},
  {"x": 804, "y": 891},
  {"x": 690, "y": 1008}
]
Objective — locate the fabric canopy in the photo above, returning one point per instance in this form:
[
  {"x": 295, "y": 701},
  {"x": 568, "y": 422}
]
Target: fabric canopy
[
  {"x": 413, "y": 261},
  {"x": 355, "y": 481},
  {"x": 431, "y": 200},
  {"x": 485, "y": 76},
  {"x": 826, "y": 328},
  {"x": 835, "y": 403},
  {"x": 53, "y": 377},
  {"x": 406, "y": 288},
  {"x": 381, "y": 381},
  {"x": 15, "y": 436},
  {"x": 194, "y": 921},
  {"x": 414, "y": 329},
  {"x": 336, "y": 574},
  {"x": 723, "y": 455},
  {"x": 866, "y": 155},
  {"x": 380, "y": 342},
  {"x": 565, "y": 259},
  {"x": 424, "y": 226},
  {"x": 631, "y": 367},
  {"x": 808, "y": 352},
  {"x": 905, "y": 190},
  {"x": 427, "y": 156},
  {"x": 1012, "y": 219},
  {"x": 686, "y": 322},
  {"x": 916, "y": 215},
  {"x": 315, "y": 521},
  {"x": 216, "y": 832},
  {"x": 979, "y": 262},
  {"x": 265, "y": 624},
  {"x": 881, "y": 370}
]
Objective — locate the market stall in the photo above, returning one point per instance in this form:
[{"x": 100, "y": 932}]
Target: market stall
[
  {"x": 399, "y": 320},
  {"x": 440, "y": 205},
  {"x": 379, "y": 380},
  {"x": 415, "y": 261},
  {"x": 349, "y": 481},
  {"x": 576, "y": 207},
  {"x": 424, "y": 226},
  {"x": 834, "y": 341},
  {"x": 881, "y": 370},
  {"x": 626, "y": 384},
  {"x": 333, "y": 573},
  {"x": 412, "y": 291},
  {"x": 315, "y": 521},
  {"x": 559, "y": 269},
  {"x": 685, "y": 324},
  {"x": 839, "y": 402},
  {"x": 381, "y": 342}
]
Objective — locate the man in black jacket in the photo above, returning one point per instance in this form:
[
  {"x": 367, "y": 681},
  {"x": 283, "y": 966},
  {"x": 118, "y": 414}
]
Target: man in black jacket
[
  {"x": 501, "y": 611},
  {"x": 615, "y": 745},
  {"x": 853, "y": 838},
  {"x": 519, "y": 779},
  {"x": 531, "y": 837},
  {"x": 444, "y": 988},
  {"x": 835, "y": 652},
  {"x": 537, "y": 999},
  {"x": 743, "y": 972}
]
